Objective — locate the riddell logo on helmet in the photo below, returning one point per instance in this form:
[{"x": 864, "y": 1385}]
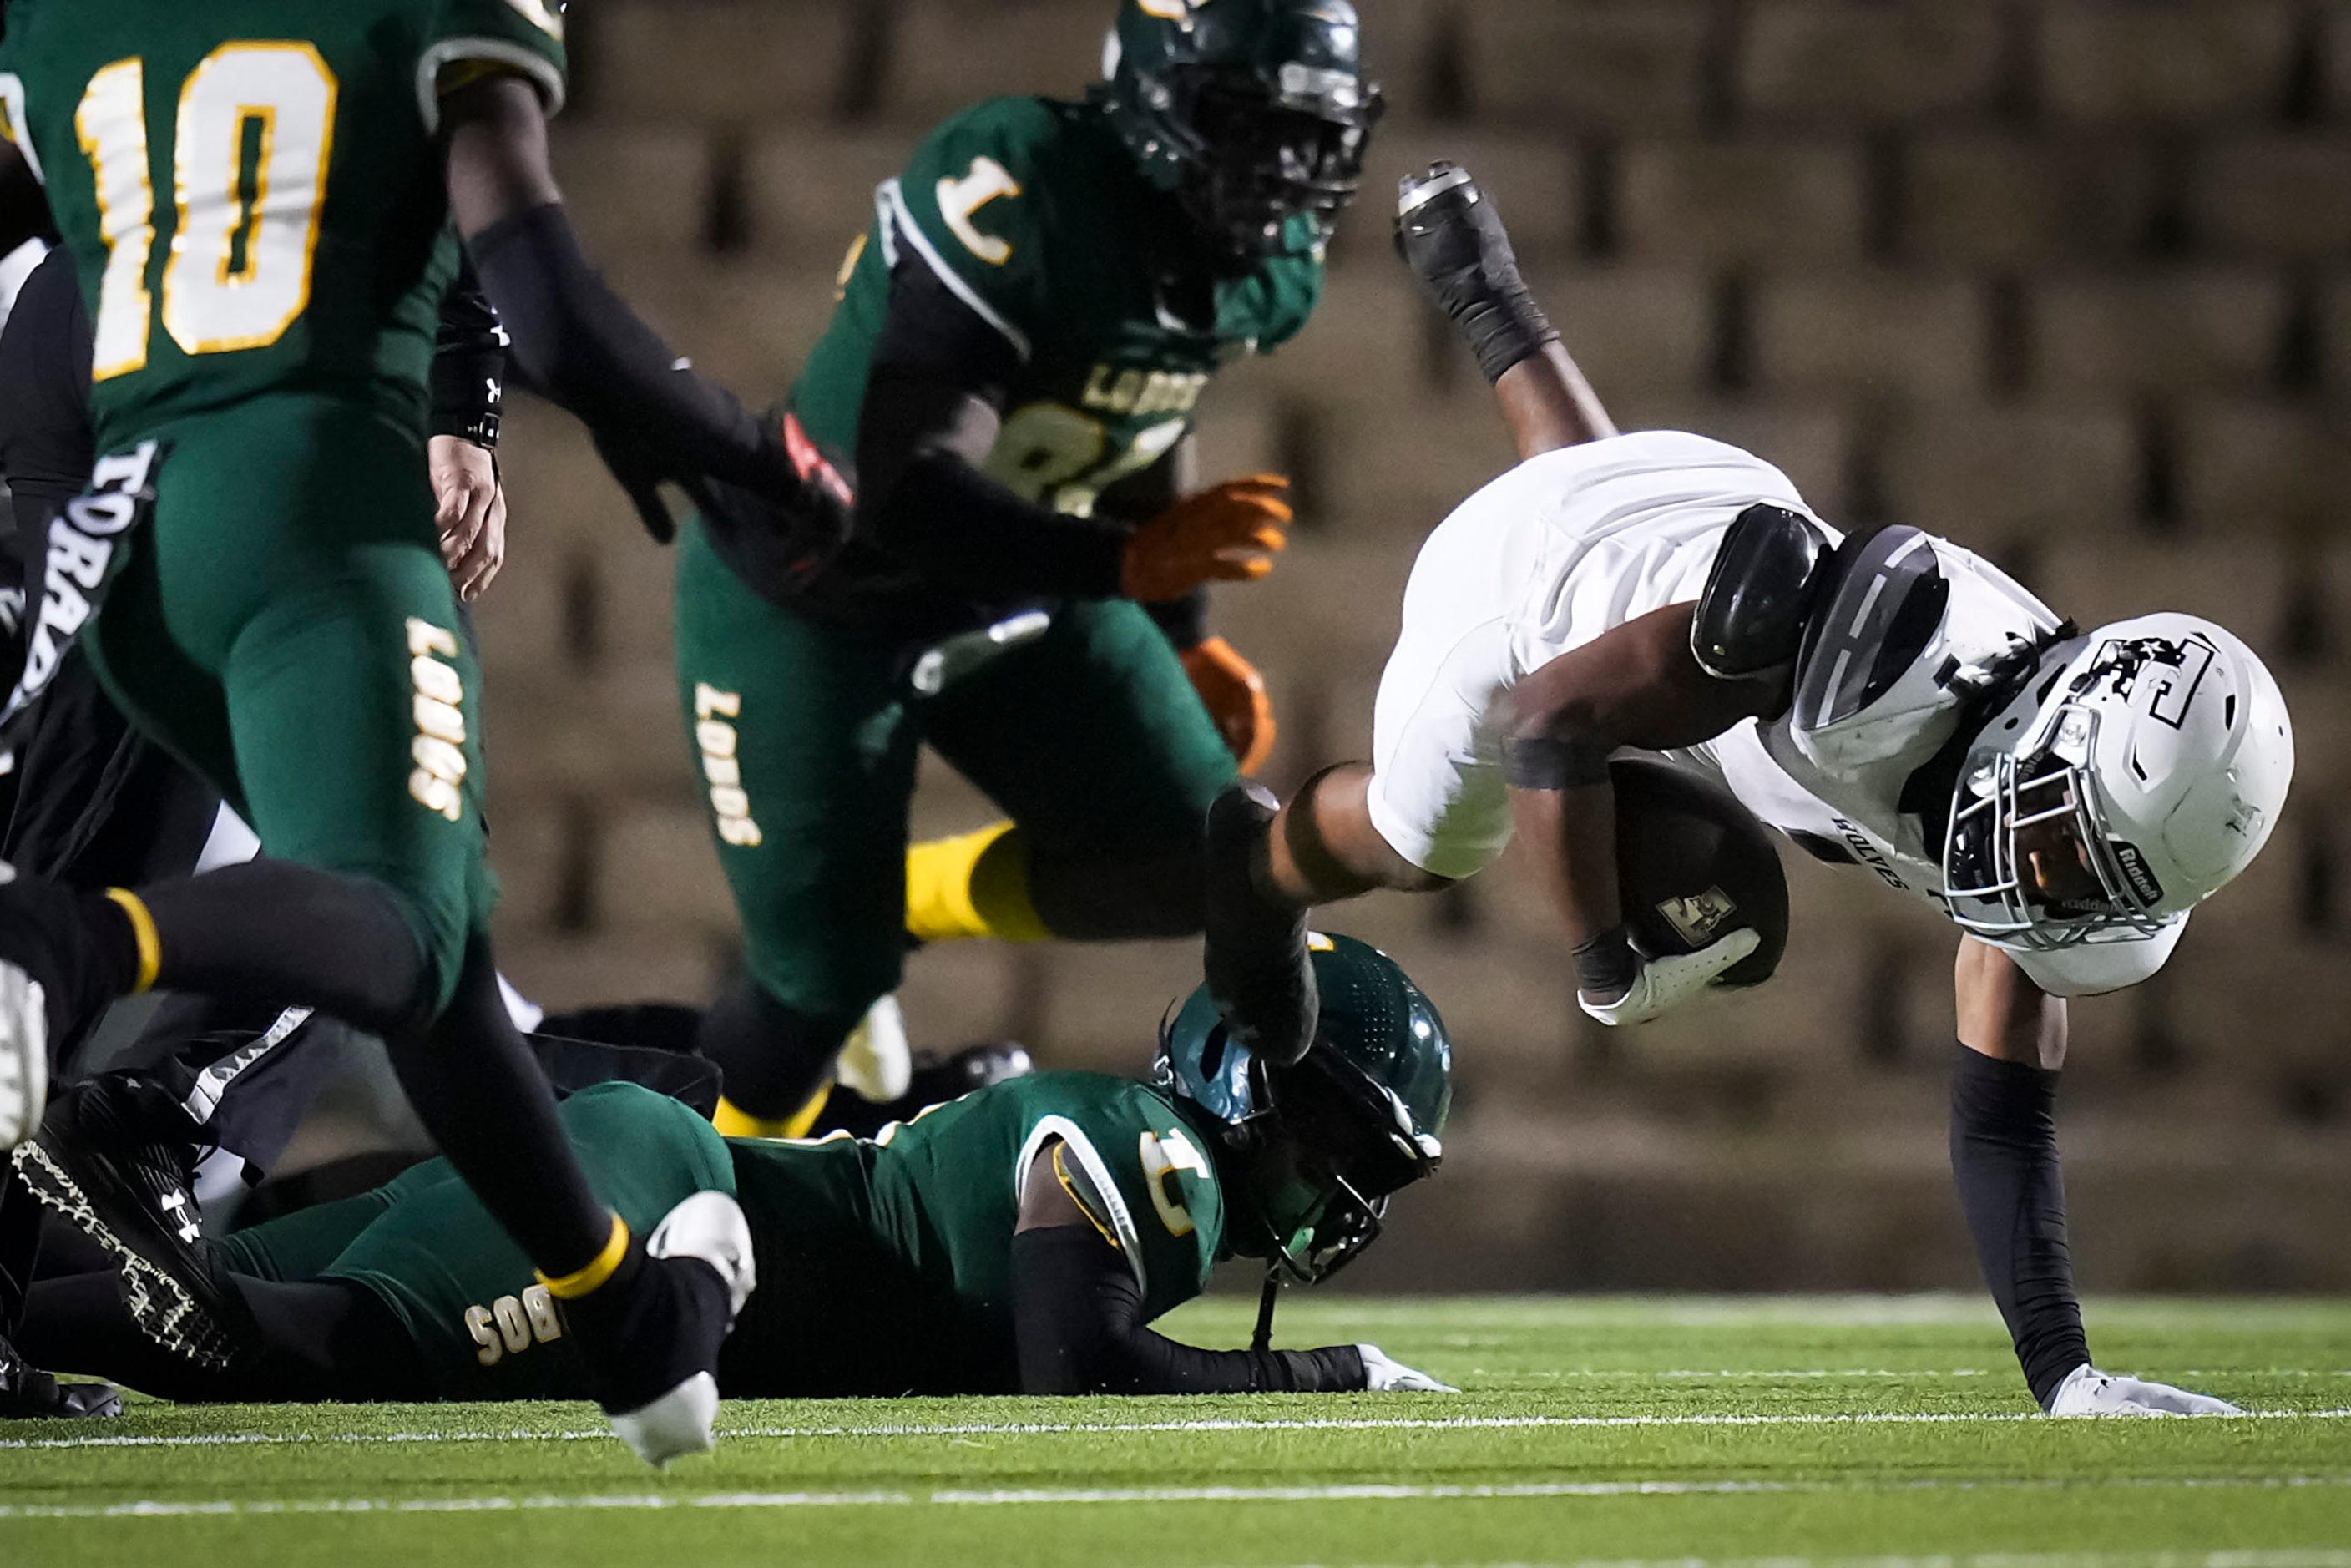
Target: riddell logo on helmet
[{"x": 2134, "y": 867}]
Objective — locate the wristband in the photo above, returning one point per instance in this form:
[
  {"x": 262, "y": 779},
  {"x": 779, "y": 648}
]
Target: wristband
[{"x": 1607, "y": 965}]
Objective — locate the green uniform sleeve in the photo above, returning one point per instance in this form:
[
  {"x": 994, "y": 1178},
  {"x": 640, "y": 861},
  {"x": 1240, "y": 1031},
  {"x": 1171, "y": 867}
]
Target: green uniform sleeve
[
  {"x": 1143, "y": 1180},
  {"x": 466, "y": 39},
  {"x": 976, "y": 205}
]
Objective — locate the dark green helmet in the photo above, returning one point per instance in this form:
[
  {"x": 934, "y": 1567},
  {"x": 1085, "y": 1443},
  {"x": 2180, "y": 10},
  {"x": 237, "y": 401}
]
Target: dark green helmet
[
  {"x": 1255, "y": 114},
  {"x": 1310, "y": 1155}
]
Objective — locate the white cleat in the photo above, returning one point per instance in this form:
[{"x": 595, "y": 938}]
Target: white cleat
[
  {"x": 24, "y": 1055},
  {"x": 2089, "y": 1392},
  {"x": 709, "y": 1226},
  {"x": 875, "y": 1063}
]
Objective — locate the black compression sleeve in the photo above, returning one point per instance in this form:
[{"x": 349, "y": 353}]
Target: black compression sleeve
[
  {"x": 469, "y": 363},
  {"x": 587, "y": 351},
  {"x": 2005, "y": 1158},
  {"x": 1078, "y": 1314},
  {"x": 965, "y": 531},
  {"x": 939, "y": 373}
]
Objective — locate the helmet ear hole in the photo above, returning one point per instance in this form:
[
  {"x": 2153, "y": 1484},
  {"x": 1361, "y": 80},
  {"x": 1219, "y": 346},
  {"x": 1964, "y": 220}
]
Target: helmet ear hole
[{"x": 1212, "y": 1049}]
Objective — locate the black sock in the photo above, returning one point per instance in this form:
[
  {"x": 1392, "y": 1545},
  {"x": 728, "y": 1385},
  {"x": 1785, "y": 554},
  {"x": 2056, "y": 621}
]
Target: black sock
[
  {"x": 480, "y": 1092},
  {"x": 2005, "y": 1159},
  {"x": 772, "y": 1057},
  {"x": 273, "y": 933}
]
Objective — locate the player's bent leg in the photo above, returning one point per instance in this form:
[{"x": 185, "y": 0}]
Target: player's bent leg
[
  {"x": 1093, "y": 738},
  {"x": 802, "y": 735}
]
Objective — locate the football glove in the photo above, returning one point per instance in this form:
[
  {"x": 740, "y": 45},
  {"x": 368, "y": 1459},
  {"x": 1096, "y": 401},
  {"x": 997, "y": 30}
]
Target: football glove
[
  {"x": 1227, "y": 533},
  {"x": 1382, "y": 1373},
  {"x": 806, "y": 502},
  {"x": 2089, "y": 1392},
  {"x": 1662, "y": 985},
  {"x": 1448, "y": 234},
  {"x": 1235, "y": 695}
]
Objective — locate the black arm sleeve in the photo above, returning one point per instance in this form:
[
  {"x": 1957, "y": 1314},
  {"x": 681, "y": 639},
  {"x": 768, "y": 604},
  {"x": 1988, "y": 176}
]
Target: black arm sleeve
[
  {"x": 590, "y": 353},
  {"x": 469, "y": 363},
  {"x": 1078, "y": 1316},
  {"x": 1184, "y": 621},
  {"x": 921, "y": 491},
  {"x": 2005, "y": 1158}
]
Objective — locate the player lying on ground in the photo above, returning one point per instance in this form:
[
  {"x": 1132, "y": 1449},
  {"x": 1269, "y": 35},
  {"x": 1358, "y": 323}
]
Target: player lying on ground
[
  {"x": 93, "y": 803},
  {"x": 1017, "y": 1239},
  {"x": 1011, "y": 377},
  {"x": 262, "y": 326},
  {"x": 1889, "y": 702}
]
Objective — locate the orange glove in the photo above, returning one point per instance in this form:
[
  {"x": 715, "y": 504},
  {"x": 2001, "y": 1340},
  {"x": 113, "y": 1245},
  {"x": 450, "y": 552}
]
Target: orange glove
[
  {"x": 1224, "y": 533},
  {"x": 1235, "y": 695}
]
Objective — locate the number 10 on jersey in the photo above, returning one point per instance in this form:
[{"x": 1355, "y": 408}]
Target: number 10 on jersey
[{"x": 250, "y": 147}]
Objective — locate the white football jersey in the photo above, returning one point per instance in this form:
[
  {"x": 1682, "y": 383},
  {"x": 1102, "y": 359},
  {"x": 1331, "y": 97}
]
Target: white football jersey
[{"x": 1573, "y": 543}]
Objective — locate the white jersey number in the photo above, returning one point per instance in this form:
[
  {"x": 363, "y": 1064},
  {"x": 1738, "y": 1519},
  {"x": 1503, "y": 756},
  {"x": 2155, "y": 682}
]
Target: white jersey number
[{"x": 255, "y": 133}]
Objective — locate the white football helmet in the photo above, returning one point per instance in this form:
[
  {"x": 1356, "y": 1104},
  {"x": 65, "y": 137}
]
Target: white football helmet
[{"x": 2162, "y": 741}]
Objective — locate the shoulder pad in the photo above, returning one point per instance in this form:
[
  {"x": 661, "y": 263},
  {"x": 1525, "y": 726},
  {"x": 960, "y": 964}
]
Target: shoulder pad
[{"x": 1751, "y": 616}]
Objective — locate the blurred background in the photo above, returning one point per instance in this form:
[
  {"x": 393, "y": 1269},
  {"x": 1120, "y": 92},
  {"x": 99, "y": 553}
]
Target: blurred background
[{"x": 2066, "y": 280}]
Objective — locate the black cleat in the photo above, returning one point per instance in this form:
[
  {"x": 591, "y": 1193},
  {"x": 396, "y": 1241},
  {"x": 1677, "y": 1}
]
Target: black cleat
[
  {"x": 652, "y": 1332},
  {"x": 1258, "y": 969},
  {"x": 108, "y": 1163},
  {"x": 27, "y": 1394}
]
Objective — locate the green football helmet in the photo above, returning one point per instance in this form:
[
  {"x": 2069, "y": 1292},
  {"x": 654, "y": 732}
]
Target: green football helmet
[
  {"x": 1310, "y": 1155},
  {"x": 1254, "y": 113}
]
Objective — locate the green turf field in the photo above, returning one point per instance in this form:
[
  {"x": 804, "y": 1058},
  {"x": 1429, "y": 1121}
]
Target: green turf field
[{"x": 1678, "y": 1429}]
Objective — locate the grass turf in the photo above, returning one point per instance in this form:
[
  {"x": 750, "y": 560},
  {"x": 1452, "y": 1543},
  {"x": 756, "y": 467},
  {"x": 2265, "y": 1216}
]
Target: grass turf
[{"x": 1589, "y": 1430}]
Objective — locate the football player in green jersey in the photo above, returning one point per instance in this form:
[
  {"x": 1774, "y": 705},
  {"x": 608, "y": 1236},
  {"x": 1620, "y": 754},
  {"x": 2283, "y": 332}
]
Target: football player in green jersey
[
  {"x": 1012, "y": 375},
  {"x": 258, "y": 197},
  {"x": 1017, "y": 1239}
]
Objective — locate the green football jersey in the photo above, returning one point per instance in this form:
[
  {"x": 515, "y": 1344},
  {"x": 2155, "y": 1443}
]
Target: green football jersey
[
  {"x": 898, "y": 1252},
  {"x": 1034, "y": 214},
  {"x": 251, "y": 189}
]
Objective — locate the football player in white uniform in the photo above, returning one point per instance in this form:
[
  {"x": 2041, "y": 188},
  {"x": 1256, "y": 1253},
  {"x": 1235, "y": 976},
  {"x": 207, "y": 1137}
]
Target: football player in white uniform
[{"x": 1890, "y": 701}]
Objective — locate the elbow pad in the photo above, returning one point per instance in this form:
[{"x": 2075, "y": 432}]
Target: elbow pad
[{"x": 1765, "y": 583}]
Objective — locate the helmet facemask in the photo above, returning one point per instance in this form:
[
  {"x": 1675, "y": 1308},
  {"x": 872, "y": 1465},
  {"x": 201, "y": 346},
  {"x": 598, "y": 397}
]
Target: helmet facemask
[
  {"x": 2044, "y": 796},
  {"x": 1266, "y": 155}
]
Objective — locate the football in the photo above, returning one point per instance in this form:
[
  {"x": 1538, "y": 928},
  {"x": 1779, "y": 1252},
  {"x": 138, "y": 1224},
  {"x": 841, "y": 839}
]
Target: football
[{"x": 1692, "y": 864}]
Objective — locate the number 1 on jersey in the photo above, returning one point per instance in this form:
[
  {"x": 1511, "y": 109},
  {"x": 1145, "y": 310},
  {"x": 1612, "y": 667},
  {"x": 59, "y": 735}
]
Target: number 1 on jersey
[{"x": 250, "y": 148}]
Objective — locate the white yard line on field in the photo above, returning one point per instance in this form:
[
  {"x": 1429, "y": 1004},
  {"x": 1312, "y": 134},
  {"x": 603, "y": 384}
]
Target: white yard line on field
[
  {"x": 1089, "y": 1428},
  {"x": 1343, "y": 1493}
]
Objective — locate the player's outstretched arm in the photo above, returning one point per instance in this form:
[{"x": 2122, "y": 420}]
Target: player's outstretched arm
[
  {"x": 1453, "y": 240},
  {"x": 1079, "y": 1317},
  {"x": 574, "y": 337}
]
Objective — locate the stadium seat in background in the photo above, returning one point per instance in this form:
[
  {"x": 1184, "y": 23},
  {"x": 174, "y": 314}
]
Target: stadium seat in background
[
  {"x": 1533, "y": 177},
  {"x": 2203, "y": 329},
  {"x": 1784, "y": 202},
  {"x": 1396, "y": 476},
  {"x": 576, "y": 971},
  {"x": 2242, "y": 587},
  {"x": 807, "y": 196},
  {"x": 945, "y": 53},
  {"x": 1997, "y": 200},
  {"x": 639, "y": 192},
  {"x": 1877, "y": 334},
  {"x": 1990, "y": 475},
  {"x": 728, "y": 62},
  {"x": 1811, "y": 441},
  {"x": 2273, "y": 197},
  {"x": 2249, "y": 467},
  {"x": 1367, "y": 344},
  {"x": 749, "y": 325},
  {"x": 1636, "y": 66},
  {"x": 656, "y": 870},
  {"x": 1837, "y": 63},
  {"x": 2202, "y": 63}
]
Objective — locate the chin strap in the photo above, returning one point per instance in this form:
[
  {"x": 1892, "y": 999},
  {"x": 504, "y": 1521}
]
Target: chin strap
[{"x": 1262, "y": 1339}]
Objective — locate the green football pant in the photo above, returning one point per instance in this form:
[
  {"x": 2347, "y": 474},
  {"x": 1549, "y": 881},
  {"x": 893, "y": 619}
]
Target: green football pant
[
  {"x": 1090, "y": 737},
  {"x": 285, "y": 625},
  {"x": 424, "y": 1244}
]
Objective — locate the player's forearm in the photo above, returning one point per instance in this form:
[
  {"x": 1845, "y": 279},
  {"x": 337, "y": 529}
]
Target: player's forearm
[
  {"x": 1549, "y": 404},
  {"x": 588, "y": 351},
  {"x": 1078, "y": 1315},
  {"x": 1569, "y": 833},
  {"x": 966, "y": 532}
]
